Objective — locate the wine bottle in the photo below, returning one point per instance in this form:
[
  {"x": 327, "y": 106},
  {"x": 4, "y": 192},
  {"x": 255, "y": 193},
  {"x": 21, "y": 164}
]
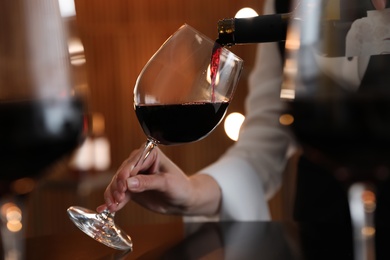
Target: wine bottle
[
  {"x": 273, "y": 28},
  {"x": 262, "y": 28}
]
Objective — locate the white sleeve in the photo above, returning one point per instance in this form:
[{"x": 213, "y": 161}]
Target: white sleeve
[{"x": 250, "y": 172}]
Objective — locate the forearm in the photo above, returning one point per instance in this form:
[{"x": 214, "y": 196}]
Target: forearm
[{"x": 243, "y": 197}]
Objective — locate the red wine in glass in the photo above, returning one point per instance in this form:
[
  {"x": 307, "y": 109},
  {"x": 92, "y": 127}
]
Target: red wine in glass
[{"x": 172, "y": 124}]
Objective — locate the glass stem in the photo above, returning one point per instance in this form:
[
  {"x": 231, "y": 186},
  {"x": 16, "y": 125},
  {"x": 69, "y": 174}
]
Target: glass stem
[
  {"x": 149, "y": 146},
  {"x": 107, "y": 216},
  {"x": 362, "y": 203}
]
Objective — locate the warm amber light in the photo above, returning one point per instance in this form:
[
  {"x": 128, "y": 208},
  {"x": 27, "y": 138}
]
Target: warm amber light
[
  {"x": 291, "y": 67},
  {"x": 369, "y": 201},
  {"x": 14, "y": 226},
  {"x": 293, "y": 43},
  {"x": 368, "y": 231},
  {"x": 23, "y": 186},
  {"x": 13, "y": 216},
  {"x": 286, "y": 119}
]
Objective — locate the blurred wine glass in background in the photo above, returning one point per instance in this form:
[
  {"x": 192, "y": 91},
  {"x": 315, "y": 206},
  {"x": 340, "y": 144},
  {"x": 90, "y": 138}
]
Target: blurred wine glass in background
[
  {"x": 337, "y": 87},
  {"x": 41, "y": 113}
]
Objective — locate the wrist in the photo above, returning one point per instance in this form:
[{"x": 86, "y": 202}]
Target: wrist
[{"x": 205, "y": 196}]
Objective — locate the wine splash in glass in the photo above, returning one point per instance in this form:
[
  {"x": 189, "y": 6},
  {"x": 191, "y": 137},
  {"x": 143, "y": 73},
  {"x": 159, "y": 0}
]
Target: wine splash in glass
[{"x": 180, "y": 96}]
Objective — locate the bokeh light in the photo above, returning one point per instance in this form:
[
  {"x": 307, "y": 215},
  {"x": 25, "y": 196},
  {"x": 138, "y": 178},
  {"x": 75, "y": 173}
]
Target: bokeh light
[
  {"x": 246, "y": 12},
  {"x": 233, "y": 124}
]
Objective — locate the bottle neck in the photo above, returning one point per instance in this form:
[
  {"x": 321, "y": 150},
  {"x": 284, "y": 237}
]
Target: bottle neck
[{"x": 258, "y": 29}]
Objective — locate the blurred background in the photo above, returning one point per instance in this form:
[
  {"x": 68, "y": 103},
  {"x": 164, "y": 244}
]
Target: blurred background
[{"x": 109, "y": 43}]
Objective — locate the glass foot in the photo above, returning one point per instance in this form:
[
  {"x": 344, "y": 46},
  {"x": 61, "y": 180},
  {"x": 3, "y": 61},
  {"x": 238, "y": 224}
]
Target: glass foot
[{"x": 100, "y": 227}]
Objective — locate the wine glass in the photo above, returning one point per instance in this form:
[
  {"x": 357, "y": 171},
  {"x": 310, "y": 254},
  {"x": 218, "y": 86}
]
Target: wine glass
[
  {"x": 40, "y": 113},
  {"x": 336, "y": 85},
  {"x": 180, "y": 96}
]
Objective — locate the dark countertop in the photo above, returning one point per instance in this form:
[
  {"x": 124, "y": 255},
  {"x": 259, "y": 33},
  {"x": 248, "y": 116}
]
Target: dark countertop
[{"x": 225, "y": 240}]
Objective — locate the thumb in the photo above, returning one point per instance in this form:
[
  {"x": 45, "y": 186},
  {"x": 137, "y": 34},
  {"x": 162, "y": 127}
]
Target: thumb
[{"x": 140, "y": 183}]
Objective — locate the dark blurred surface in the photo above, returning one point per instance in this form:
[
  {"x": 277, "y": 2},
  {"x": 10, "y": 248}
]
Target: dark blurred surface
[{"x": 228, "y": 240}]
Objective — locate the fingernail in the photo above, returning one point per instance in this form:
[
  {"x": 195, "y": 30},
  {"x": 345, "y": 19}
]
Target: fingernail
[{"x": 132, "y": 183}]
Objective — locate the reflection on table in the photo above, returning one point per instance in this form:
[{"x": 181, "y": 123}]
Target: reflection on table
[{"x": 227, "y": 240}]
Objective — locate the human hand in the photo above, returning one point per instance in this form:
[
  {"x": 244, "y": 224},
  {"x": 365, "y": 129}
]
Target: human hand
[
  {"x": 379, "y": 4},
  {"x": 157, "y": 184}
]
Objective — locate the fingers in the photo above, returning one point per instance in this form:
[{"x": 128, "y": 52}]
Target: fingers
[
  {"x": 127, "y": 168},
  {"x": 125, "y": 171},
  {"x": 131, "y": 168},
  {"x": 116, "y": 202},
  {"x": 116, "y": 196}
]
